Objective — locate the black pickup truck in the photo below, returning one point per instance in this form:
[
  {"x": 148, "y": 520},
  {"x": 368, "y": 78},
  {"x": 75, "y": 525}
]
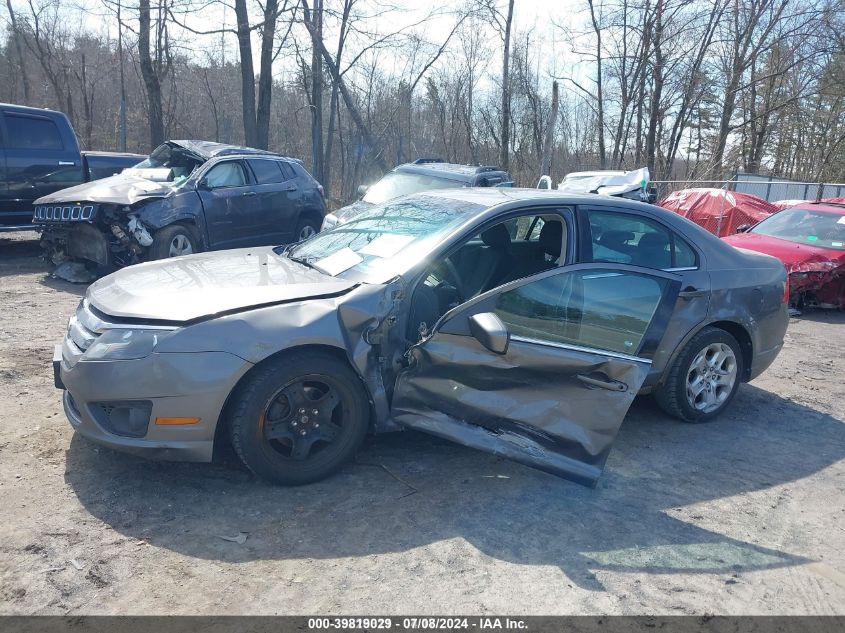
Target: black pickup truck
[{"x": 39, "y": 154}]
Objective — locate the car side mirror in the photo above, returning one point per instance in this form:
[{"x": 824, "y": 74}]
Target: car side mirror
[
  {"x": 490, "y": 331},
  {"x": 203, "y": 185},
  {"x": 362, "y": 189},
  {"x": 743, "y": 228}
]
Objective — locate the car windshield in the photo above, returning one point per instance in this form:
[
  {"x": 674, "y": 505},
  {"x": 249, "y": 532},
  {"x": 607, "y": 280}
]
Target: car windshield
[
  {"x": 397, "y": 184},
  {"x": 179, "y": 161},
  {"x": 386, "y": 240},
  {"x": 806, "y": 226}
]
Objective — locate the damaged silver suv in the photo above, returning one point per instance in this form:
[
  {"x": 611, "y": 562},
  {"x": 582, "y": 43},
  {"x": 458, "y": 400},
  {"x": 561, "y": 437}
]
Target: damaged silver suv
[
  {"x": 520, "y": 322},
  {"x": 186, "y": 197}
]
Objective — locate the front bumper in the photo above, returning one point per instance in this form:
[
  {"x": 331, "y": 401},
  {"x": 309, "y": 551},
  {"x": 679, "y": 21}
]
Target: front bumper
[{"x": 190, "y": 385}]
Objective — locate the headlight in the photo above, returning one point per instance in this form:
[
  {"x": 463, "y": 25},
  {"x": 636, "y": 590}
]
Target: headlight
[
  {"x": 123, "y": 345},
  {"x": 329, "y": 221}
]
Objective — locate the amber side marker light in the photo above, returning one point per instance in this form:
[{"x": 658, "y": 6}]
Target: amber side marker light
[{"x": 176, "y": 421}]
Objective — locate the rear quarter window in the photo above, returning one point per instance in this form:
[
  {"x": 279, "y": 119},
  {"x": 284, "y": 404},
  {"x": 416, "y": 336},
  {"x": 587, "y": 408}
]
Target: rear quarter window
[
  {"x": 287, "y": 170},
  {"x": 267, "y": 171},
  {"x": 32, "y": 132}
]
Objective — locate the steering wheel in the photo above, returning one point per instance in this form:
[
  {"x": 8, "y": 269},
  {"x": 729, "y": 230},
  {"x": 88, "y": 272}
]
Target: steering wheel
[{"x": 455, "y": 279}]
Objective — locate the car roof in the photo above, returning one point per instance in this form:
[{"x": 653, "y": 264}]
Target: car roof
[
  {"x": 489, "y": 197},
  {"x": 30, "y": 109},
  {"x": 210, "y": 149},
  {"x": 466, "y": 173}
]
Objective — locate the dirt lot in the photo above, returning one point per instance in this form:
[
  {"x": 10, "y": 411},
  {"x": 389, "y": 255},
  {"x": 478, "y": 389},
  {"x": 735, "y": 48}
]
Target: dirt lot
[{"x": 744, "y": 515}]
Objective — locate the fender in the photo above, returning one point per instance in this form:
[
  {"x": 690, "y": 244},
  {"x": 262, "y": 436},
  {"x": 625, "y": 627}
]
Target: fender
[{"x": 166, "y": 211}]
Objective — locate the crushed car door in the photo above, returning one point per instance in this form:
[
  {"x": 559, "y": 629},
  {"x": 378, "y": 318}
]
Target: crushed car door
[{"x": 541, "y": 370}]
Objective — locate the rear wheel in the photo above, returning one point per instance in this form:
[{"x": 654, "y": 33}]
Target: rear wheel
[
  {"x": 704, "y": 377},
  {"x": 173, "y": 241},
  {"x": 307, "y": 227},
  {"x": 299, "y": 419}
]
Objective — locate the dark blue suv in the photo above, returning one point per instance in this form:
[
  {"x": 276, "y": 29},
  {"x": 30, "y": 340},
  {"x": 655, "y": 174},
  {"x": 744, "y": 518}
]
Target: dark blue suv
[
  {"x": 424, "y": 174},
  {"x": 186, "y": 197}
]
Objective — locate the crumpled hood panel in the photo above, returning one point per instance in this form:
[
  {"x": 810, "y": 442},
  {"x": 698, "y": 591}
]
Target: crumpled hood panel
[
  {"x": 197, "y": 286},
  {"x": 824, "y": 268},
  {"x": 796, "y": 257},
  {"x": 118, "y": 189}
]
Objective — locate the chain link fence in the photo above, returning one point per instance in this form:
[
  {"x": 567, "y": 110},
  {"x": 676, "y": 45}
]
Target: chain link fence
[{"x": 768, "y": 188}]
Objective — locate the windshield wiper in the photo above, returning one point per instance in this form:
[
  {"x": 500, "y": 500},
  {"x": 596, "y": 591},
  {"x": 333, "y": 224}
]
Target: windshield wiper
[{"x": 305, "y": 262}]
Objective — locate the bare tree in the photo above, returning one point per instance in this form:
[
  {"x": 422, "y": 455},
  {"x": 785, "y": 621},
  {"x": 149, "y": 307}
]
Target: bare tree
[
  {"x": 155, "y": 63},
  {"x": 17, "y": 36}
]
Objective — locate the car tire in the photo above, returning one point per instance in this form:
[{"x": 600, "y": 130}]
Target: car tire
[
  {"x": 307, "y": 227},
  {"x": 299, "y": 418},
  {"x": 173, "y": 241},
  {"x": 704, "y": 377}
]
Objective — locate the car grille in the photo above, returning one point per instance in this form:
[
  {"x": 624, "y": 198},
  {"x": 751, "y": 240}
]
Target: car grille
[{"x": 66, "y": 213}]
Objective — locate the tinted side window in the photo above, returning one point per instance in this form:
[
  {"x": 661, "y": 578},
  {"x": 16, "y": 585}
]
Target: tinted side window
[
  {"x": 266, "y": 171},
  {"x": 631, "y": 239},
  {"x": 287, "y": 171},
  {"x": 226, "y": 175},
  {"x": 607, "y": 310},
  {"x": 26, "y": 132}
]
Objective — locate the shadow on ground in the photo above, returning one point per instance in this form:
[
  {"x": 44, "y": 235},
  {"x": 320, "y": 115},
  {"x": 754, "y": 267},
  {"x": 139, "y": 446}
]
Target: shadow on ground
[{"x": 409, "y": 490}]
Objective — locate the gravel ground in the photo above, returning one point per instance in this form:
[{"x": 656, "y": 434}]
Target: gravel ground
[{"x": 743, "y": 515}]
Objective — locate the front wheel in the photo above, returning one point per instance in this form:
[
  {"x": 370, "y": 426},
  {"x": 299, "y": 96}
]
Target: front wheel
[
  {"x": 174, "y": 240},
  {"x": 704, "y": 377},
  {"x": 299, "y": 418}
]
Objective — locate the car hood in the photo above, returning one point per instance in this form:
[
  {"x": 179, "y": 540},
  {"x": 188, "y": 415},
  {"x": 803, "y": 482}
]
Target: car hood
[
  {"x": 203, "y": 285},
  {"x": 123, "y": 189},
  {"x": 344, "y": 214},
  {"x": 796, "y": 257}
]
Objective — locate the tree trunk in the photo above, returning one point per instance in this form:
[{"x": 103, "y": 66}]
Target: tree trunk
[
  {"x": 148, "y": 72},
  {"x": 19, "y": 49},
  {"x": 656, "y": 92},
  {"x": 504, "y": 159},
  {"x": 546, "y": 166},
  {"x": 265, "y": 76},
  {"x": 599, "y": 89},
  {"x": 247, "y": 73},
  {"x": 317, "y": 94}
]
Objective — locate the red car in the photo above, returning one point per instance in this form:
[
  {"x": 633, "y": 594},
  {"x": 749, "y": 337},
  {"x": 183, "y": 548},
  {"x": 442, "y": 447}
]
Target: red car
[{"x": 809, "y": 239}]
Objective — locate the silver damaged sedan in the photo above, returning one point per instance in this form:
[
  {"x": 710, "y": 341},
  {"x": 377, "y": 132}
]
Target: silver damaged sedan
[{"x": 519, "y": 322}]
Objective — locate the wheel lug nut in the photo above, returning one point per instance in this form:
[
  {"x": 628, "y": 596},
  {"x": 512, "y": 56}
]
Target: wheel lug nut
[
  {"x": 315, "y": 412},
  {"x": 303, "y": 432},
  {"x": 302, "y": 410},
  {"x": 316, "y": 425}
]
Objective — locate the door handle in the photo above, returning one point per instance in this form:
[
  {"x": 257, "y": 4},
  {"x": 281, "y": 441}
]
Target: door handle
[
  {"x": 291, "y": 188},
  {"x": 67, "y": 163},
  {"x": 691, "y": 291},
  {"x": 248, "y": 194},
  {"x": 612, "y": 385}
]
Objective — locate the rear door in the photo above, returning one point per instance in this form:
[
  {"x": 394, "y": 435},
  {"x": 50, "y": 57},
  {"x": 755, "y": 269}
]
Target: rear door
[
  {"x": 37, "y": 154},
  {"x": 232, "y": 212},
  {"x": 278, "y": 195},
  {"x": 616, "y": 235},
  {"x": 578, "y": 343}
]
